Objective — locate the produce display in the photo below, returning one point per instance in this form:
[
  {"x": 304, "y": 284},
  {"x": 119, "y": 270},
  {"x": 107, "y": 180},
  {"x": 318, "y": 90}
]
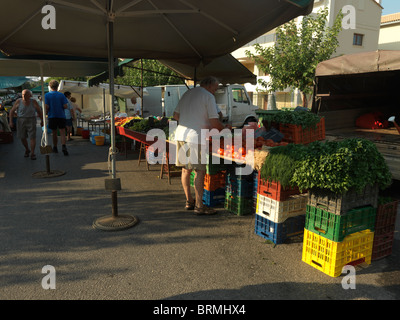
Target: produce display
[
  {"x": 337, "y": 166},
  {"x": 325, "y": 191},
  {"x": 306, "y": 119}
]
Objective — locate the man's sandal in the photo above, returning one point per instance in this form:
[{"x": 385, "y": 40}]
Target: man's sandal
[
  {"x": 33, "y": 157},
  {"x": 27, "y": 152},
  {"x": 204, "y": 211},
  {"x": 189, "y": 205}
]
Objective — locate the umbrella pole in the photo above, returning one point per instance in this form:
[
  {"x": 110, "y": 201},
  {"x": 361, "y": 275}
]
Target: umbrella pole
[
  {"x": 46, "y": 149},
  {"x": 115, "y": 222}
]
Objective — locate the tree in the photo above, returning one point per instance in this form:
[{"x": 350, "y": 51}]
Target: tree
[{"x": 292, "y": 61}]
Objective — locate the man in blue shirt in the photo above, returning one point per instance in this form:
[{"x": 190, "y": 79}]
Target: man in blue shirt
[{"x": 55, "y": 103}]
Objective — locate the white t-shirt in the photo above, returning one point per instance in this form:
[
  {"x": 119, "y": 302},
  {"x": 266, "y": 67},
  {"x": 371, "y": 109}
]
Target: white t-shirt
[
  {"x": 195, "y": 108},
  {"x": 134, "y": 108}
]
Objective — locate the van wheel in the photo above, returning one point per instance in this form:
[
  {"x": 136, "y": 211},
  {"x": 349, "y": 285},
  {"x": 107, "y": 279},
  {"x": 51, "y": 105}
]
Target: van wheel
[{"x": 251, "y": 119}]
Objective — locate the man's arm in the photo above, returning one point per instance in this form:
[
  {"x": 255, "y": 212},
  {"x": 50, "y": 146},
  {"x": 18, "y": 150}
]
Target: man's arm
[
  {"x": 39, "y": 111},
  {"x": 215, "y": 123},
  {"x": 15, "y": 106}
]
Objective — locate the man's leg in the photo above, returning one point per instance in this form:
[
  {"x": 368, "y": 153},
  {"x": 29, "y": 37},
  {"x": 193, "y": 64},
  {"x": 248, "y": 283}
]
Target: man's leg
[
  {"x": 199, "y": 187},
  {"x": 62, "y": 135},
  {"x": 25, "y": 144},
  {"x": 64, "y": 147},
  {"x": 55, "y": 140},
  {"x": 186, "y": 184},
  {"x": 33, "y": 146}
]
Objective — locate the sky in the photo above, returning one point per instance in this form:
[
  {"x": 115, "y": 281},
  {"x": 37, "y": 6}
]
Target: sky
[{"x": 390, "y": 6}]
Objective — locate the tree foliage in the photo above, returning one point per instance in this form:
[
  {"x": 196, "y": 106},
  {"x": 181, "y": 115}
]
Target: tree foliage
[{"x": 292, "y": 61}]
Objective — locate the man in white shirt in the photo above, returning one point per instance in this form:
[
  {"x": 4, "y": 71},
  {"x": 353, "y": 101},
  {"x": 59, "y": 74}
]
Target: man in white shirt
[
  {"x": 135, "y": 110},
  {"x": 195, "y": 111}
]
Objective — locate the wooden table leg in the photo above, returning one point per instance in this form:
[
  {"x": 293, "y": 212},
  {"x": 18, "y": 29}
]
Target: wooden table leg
[
  {"x": 140, "y": 153},
  {"x": 169, "y": 174}
]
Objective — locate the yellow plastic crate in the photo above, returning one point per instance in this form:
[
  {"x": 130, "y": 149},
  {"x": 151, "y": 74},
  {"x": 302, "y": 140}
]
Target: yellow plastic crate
[
  {"x": 330, "y": 257},
  {"x": 280, "y": 211}
]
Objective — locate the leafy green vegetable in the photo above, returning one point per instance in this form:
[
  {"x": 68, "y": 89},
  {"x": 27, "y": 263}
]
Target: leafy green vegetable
[
  {"x": 306, "y": 119},
  {"x": 334, "y": 166}
]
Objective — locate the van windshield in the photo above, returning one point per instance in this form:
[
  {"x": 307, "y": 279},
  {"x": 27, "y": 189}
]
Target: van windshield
[{"x": 239, "y": 95}]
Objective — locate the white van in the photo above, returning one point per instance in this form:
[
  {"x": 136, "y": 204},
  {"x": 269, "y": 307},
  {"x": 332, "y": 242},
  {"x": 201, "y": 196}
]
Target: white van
[
  {"x": 233, "y": 101},
  {"x": 235, "y": 105}
]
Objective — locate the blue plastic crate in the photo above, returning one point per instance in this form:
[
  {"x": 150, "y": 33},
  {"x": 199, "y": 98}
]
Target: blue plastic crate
[
  {"x": 278, "y": 233},
  {"x": 213, "y": 198}
]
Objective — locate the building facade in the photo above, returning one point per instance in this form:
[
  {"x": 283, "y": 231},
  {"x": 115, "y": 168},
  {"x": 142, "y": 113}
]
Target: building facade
[
  {"x": 360, "y": 33},
  {"x": 389, "y": 36}
]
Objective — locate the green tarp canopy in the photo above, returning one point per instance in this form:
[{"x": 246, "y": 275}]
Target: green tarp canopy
[
  {"x": 38, "y": 89},
  {"x": 12, "y": 82}
]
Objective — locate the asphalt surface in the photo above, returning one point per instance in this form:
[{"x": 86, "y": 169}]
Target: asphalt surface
[{"x": 170, "y": 254}]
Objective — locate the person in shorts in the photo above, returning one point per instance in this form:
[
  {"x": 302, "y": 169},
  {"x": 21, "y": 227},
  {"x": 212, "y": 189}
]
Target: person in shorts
[
  {"x": 26, "y": 109},
  {"x": 56, "y": 103},
  {"x": 69, "y": 115},
  {"x": 196, "y": 110}
]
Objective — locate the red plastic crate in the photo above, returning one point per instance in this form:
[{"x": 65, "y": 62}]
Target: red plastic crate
[
  {"x": 386, "y": 214},
  {"x": 6, "y": 137},
  {"x": 296, "y": 134},
  {"x": 382, "y": 246},
  {"x": 274, "y": 190},
  {"x": 213, "y": 182}
]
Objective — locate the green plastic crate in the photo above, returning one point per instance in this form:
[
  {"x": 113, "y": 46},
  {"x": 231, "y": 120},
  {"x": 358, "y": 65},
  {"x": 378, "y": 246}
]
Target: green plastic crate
[
  {"x": 335, "y": 227},
  {"x": 213, "y": 167},
  {"x": 239, "y": 205}
]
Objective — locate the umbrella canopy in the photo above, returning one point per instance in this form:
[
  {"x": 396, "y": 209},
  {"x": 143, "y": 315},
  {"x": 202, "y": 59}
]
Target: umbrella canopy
[
  {"x": 51, "y": 65},
  {"x": 83, "y": 88},
  {"x": 187, "y": 31},
  {"x": 226, "y": 68}
]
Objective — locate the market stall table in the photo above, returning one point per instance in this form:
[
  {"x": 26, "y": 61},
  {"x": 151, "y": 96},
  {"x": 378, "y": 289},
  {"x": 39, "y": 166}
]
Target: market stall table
[
  {"x": 93, "y": 123},
  {"x": 142, "y": 138}
]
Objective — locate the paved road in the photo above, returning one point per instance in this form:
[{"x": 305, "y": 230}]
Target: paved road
[{"x": 170, "y": 254}]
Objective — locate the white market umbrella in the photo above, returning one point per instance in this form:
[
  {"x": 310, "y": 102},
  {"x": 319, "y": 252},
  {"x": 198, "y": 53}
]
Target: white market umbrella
[{"x": 186, "y": 31}]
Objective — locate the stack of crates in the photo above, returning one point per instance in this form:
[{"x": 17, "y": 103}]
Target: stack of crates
[
  {"x": 339, "y": 229},
  {"x": 384, "y": 228},
  {"x": 239, "y": 191},
  {"x": 214, "y": 188},
  {"x": 280, "y": 212}
]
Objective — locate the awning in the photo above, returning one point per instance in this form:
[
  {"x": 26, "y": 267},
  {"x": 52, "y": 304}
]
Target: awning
[
  {"x": 226, "y": 68},
  {"x": 12, "y": 82},
  {"x": 38, "y": 89},
  {"x": 81, "y": 87},
  {"x": 365, "y": 62}
]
